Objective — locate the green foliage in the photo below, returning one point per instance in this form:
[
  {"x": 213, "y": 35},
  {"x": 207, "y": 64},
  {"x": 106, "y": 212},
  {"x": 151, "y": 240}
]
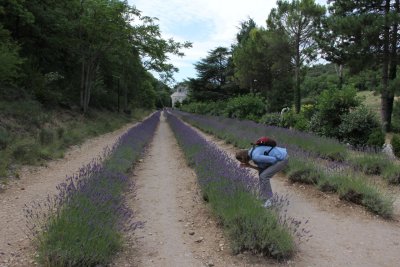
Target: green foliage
[
  {"x": 376, "y": 139},
  {"x": 301, "y": 168},
  {"x": 74, "y": 51},
  {"x": 251, "y": 106},
  {"x": 210, "y": 108},
  {"x": 331, "y": 105},
  {"x": 302, "y": 171},
  {"x": 71, "y": 241},
  {"x": 250, "y": 226},
  {"x": 10, "y": 60},
  {"x": 299, "y": 20},
  {"x": 4, "y": 138},
  {"x": 357, "y": 126},
  {"x": 396, "y": 145},
  {"x": 262, "y": 64},
  {"x": 370, "y": 163},
  {"x": 396, "y": 116},
  {"x": 392, "y": 174},
  {"x": 271, "y": 119},
  {"x": 26, "y": 151},
  {"x": 46, "y": 136}
]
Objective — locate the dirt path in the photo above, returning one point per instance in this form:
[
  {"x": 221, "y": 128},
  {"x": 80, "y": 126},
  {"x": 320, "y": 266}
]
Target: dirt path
[
  {"x": 343, "y": 234},
  {"x": 36, "y": 183},
  {"x": 179, "y": 229}
]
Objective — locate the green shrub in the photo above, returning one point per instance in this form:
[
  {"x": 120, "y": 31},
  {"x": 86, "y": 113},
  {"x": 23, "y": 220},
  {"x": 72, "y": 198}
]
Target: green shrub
[
  {"x": 4, "y": 138},
  {"x": 271, "y": 119},
  {"x": 331, "y": 105},
  {"x": 302, "y": 172},
  {"x": 251, "y": 106},
  {"x": 46, "y": 136},
  {"x": 60, "y": 132},
  {"x": 396, "y": 117},
  {"x": 392, "y": 174},
  {"x": 376, "y": 138},
  {"x": 26, "y": 151},
  {"x": 357, "y": 126},
  {"x": 396, "y": 145},
  {"x": 370, "y": 163}
]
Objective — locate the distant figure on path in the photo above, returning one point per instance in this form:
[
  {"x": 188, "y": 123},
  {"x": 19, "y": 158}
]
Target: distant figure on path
[{"x": 269, "y": 159}]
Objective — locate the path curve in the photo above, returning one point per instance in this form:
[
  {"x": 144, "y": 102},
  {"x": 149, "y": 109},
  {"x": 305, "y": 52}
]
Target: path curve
[{"x": 35, "y": 184}]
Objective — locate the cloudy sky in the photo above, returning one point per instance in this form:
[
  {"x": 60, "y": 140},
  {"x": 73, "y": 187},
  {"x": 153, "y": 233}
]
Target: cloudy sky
[{"x": 206, "y": 23}]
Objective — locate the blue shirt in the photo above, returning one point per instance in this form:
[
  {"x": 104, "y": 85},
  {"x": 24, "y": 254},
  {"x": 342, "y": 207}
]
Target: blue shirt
[{"x": 262, "y": 160}]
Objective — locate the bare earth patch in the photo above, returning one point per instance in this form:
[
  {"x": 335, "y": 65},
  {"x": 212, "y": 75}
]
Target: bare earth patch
[{"x": 35, "y": 184}]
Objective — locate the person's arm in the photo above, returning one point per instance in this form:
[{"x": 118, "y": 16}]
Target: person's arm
[{"x": 248, "y": 165}]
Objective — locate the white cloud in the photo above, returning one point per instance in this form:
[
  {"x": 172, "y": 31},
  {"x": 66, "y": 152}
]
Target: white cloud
[{"x": 207, "y": 23}]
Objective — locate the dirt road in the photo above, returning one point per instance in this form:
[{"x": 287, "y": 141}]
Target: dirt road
[{"x": 179, "y": 229}]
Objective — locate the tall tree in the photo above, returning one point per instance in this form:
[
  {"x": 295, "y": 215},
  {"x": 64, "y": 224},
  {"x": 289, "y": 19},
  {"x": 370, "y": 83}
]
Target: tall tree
[
  {"x": 298, "y": 19},
  {"x": 212, "y": 72},
  {"x": 262, "y": 63},
  {"x": 369, "y": 29}
]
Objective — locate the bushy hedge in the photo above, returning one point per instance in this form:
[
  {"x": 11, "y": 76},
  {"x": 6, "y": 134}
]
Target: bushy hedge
[
  {"x": 250, "y": 106},
  {"x": 357, "y": 127},
  {"x": 396, "y": 145}
]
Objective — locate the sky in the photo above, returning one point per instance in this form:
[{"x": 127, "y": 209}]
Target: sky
[{"x": 206, "y": 23}]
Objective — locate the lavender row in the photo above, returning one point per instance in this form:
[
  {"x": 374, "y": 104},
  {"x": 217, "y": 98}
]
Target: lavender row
[
  {"x": 89, "y": 214},
  {"x": 231, "y": 192}
]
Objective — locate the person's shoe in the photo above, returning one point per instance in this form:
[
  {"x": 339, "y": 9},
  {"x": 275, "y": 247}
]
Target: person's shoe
[{"x": 267, "y": 204}]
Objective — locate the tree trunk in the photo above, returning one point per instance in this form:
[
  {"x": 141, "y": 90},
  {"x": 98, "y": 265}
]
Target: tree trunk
[
  {"x": 297, "y": 95},
  {"x": 386, "y": 103}
]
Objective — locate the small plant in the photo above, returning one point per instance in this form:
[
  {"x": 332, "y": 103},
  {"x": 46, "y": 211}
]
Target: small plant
[
  {"x": 392, "y": 174},
  {"x": 46, "y": 136},
  {"x": 370, "y": 163},
  {"x": 4, "y": 138},
  {"x": 396, "y": 145}
]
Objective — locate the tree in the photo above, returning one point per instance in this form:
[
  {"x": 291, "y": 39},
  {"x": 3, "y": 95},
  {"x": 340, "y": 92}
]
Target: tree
[
  {"x": 369, "y": 30},
  {"x": 212, "y": 76},
  {"x": 262, "y": 63},
  {"x": 299, "y": 19}
]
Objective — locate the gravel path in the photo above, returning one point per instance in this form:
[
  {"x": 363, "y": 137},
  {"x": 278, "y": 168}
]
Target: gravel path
[
  {"x": 179, "y": 228},
  {"x": 36, "y": 183}
]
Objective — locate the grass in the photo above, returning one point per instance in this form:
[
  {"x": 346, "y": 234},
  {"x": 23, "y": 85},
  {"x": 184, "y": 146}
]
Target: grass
[{"x": 30, "y": 135}]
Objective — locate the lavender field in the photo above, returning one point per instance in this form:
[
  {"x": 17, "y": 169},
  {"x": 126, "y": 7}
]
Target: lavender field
[{"x": 323, "y": 162}]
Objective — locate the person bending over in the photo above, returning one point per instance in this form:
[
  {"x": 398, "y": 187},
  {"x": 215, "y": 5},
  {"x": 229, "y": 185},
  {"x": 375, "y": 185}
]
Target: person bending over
[{"x": 269, "y": 159}]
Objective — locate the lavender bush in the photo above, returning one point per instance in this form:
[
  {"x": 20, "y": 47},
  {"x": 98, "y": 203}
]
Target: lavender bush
[
  {"x": 308, "y": 164},
  {"x": 82, "y": 224},
  {"x": 231, "y": 191}
]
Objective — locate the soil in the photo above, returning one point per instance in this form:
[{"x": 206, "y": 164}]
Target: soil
[{"x": 180, "y": 230}]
